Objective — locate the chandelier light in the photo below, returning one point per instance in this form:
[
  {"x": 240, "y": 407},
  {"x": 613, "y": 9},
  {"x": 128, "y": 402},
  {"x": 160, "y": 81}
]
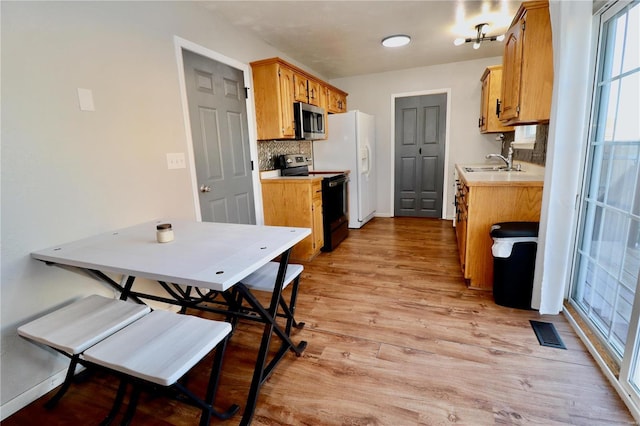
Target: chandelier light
[{"x": 481, "y": 35}]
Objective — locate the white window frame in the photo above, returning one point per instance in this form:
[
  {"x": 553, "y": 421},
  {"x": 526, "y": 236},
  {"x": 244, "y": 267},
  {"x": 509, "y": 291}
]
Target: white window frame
[{"x": 629, "y": 393}]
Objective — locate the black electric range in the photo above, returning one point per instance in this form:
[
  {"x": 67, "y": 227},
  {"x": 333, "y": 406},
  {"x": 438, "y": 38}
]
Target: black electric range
[{"x": 335, "y": 213}]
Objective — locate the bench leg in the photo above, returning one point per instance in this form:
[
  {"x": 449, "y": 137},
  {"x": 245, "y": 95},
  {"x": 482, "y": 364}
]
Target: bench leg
[
  {"x": 133, "y": 404},
  {"x": 65, "y": 385},
  {"x": 207, "y": 404},
  {"x": 117, "y": 403},
  {"x": 290, "y": 310},
  {"x": 212, "y": 388}
]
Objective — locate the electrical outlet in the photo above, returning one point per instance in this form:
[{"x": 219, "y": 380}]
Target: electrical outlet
[{"x": 176, "y": 160}]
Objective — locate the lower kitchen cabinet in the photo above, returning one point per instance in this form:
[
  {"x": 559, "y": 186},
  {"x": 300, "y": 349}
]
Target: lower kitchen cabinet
[
  {"x": 481, "y": 204},
  {"x": 296, "y": 202}
]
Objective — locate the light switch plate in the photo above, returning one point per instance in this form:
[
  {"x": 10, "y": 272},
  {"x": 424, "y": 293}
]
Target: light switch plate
[
  {"x": 85, "y": 99},
  {"x": 176, "y": 160}
]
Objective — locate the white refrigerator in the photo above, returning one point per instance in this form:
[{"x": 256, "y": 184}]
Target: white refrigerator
[{"x": 351, "y": 146}]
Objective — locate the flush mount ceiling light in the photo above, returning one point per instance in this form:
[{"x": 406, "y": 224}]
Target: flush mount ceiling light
[
  {"x": 481, "y": 35},
  {"x": 396, "y": 40}
]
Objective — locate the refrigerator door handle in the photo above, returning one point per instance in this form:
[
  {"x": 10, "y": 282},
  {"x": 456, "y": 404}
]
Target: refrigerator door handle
[
  {"x": 365, "y": 158},
  {"x": 368, "y": 157}
]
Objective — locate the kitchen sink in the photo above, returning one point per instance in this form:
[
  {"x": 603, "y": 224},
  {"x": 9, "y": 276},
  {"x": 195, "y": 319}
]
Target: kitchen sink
[{"x": 488, "y": 169}]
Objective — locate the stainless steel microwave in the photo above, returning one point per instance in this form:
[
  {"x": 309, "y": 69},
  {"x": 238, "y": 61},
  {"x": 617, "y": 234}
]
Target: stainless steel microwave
[{"x": 309, "y": 121}]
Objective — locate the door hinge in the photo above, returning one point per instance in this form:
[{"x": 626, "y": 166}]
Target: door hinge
[
  {"x": 251, "y": 165},
  {"x": 246, "y": 93},
  {"x": 524, "y": 24},
  {"x": 518, "y": 109}
]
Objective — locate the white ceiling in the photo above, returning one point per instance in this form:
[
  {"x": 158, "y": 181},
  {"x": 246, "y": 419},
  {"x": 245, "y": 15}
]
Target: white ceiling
[{"x": 342, "y": 38}]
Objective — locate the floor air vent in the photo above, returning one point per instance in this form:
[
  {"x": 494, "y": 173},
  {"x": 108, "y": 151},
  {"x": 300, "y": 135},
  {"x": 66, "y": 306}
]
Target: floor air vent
[{"x": 547, "y": 334}]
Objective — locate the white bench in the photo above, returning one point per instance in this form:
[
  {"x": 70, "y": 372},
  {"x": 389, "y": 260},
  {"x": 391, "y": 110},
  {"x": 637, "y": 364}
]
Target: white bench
[
  {"x": 159, "y": 349},
  {"x": 76, "y": 327},
  {"x": 264, "y": 279}
]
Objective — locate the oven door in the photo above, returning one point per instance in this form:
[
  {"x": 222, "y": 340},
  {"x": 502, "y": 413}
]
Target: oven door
[{"x": 335, "y": 211}]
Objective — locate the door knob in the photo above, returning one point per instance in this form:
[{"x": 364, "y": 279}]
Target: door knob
[{"x": 205, "y": 188}]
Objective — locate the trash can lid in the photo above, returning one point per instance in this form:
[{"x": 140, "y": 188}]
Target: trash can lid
[{"x": 514, "y": 229}]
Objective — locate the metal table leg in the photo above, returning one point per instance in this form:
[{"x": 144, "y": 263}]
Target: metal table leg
[{"x": 262, "y": 370}]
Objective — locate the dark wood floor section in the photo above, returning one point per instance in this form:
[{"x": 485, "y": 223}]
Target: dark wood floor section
[{"x": 395, "y": 338}]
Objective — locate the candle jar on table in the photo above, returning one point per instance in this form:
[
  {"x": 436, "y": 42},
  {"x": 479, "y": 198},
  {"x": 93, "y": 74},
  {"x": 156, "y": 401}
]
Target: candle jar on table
[{"x": 164, "y": 233}]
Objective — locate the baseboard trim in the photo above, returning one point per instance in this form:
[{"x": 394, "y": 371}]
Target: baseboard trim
[{"x": 26, "y": 398}]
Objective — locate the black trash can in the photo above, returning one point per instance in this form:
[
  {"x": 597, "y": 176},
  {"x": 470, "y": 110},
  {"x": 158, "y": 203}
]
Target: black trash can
[{"x": 514, "y": 257}]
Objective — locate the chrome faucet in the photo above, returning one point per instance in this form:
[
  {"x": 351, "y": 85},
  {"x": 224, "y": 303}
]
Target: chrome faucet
[{"x": 508, "y": 161}]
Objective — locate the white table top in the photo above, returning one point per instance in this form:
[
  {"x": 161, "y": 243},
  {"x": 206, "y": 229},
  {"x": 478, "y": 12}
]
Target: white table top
[{"x": 203, "y": 254}]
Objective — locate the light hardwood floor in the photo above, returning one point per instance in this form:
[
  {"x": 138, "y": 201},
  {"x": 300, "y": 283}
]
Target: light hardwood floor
[{"x": 395, "y": 338}]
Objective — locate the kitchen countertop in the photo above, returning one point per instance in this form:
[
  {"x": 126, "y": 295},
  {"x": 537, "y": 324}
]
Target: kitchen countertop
[
  {"x": 313, "y": 175},
  {"x": 531, "y": 175},
  {"x": 309, "y": 178}
]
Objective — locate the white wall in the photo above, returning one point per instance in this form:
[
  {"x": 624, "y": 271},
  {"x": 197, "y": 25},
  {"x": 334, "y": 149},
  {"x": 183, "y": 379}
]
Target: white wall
[
  {"x": 372, "y": 94},
  {"x": 67, "y": 174}
]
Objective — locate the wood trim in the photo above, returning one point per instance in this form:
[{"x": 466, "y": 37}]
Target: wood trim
[{"x": 611, "y": 363}]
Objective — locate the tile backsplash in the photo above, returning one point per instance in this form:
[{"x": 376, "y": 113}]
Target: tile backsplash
[
  {"x": 267, "y": 150},
  {"x": 537, "y": 155}
]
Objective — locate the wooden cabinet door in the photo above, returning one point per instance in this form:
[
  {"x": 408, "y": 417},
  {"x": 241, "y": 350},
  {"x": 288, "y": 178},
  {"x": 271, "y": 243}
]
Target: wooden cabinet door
[
  {"x": 489, "y": 121},
  {"x": 527, "y": 79},
  {"x": 314, "y": 92},
  {"x": 286, "y": 82},
  {"x": 317, "y": 230},
  {"x": 295, "y": 203},
  {"x": 300, "y": 88},
  {"x": 316, "y": 213},
  {"x": 512, "y": 72},
  {"x": 337, "y": 102},
  {"x": 484, "y": 102},
  {"x": 461, "y": 224}
]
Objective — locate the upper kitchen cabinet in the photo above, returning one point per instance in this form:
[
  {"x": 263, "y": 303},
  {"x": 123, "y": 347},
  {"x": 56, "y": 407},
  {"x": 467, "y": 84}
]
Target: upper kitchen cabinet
[
  {"x": 273, "y": 94},
  {"x": 305, "y": 89},
  {"x": 527, "y": 75},
  {"x": 277, "y": 85},
  {"x": 489, "y": 121},
  {"x": 337, "y": 100}
]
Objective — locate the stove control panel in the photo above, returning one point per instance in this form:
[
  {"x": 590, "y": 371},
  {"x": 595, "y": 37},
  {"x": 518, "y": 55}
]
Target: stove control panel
[{"x": 292, "y": 160}]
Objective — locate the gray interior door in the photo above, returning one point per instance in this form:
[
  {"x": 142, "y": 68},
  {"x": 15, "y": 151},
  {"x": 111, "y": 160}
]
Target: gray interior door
[
  {"x": 219, "y": 128},
  {"x": 420, "y": 126}
]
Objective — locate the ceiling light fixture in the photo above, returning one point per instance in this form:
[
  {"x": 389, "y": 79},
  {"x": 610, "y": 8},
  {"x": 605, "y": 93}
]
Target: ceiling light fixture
[
  {"x": 481, "y": 35},
  {"x": 396, "y": 40}
]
